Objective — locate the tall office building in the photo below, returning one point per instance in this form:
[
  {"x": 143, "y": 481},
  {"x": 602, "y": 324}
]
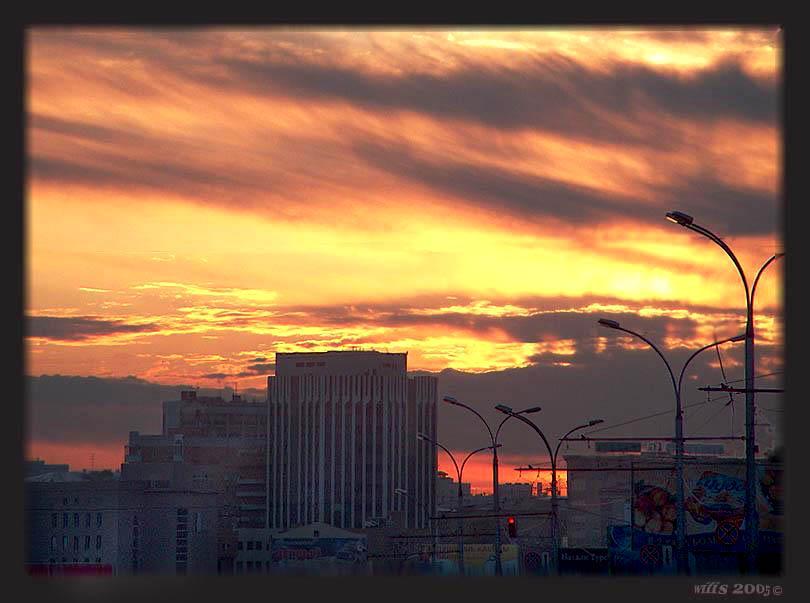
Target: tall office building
[{"x": 342, "y": 434}]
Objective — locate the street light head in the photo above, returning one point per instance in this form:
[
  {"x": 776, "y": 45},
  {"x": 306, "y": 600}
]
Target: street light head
[
  {"x": 400, "y": 491},
  {"x": 531, "y": 410},
  {"x": 740, "y": 337},
  {"x": 450, "y": 400},
  {"x": 606, "y": 322},
  {"x": 593, "y": 422},
  {"x": 678, "y": 217},
  {"x": 421, "y": 436},
  {"x": 504, "y": 409}
]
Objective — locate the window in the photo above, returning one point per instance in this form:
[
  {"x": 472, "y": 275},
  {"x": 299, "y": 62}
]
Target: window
[
  {"x": 75, "y": 544},
  {"x": 250, "y": 545},
  {"x": 76, "y": 521},
  {"x": 98, "y": 559},
  {"x": 64, "y": 520},
  {"x": 249, "y": 566},
  {"x": 238, "y": 567},
  {"x": 87, "y": 521},
  {"x": 64, "y": 543},
  {"x": 258, "y": 545},
  {"x": 65, "y": 501},
  {"x": 87, "y": 542},
  {"x": 239, "y": 546},
  {"x": 98, "y": 541},
  {"x": 76, "y": 500},
  {"x": 53, "y": 544},
  {"x": 54, "y": 519}
]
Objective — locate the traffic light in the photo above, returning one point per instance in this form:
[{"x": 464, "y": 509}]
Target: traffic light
[{"x": 511, "y": 524}]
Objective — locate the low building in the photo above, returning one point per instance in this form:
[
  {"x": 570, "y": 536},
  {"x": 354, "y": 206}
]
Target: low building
[{"x": 120, "y": 527}]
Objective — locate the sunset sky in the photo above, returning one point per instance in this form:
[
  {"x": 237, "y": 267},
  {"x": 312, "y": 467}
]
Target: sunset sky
[{"x": 199, "y": 199}]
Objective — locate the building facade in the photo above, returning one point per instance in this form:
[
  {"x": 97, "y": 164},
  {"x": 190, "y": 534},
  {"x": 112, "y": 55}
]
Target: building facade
[
  {"x": 121, "y": 527},
  {"x": 224, "y": 440},
  {"x": 342, "y": 439}
]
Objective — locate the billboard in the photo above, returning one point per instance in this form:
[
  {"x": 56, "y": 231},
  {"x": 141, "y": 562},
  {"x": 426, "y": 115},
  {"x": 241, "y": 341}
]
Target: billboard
[
  {"x": 352, "y": 550},
  {"x": 69, "y": 569},
  {"x": 583, "y": 561},
  {"x": 479, "y": 559},
  {"x": 714, "y": 500}
]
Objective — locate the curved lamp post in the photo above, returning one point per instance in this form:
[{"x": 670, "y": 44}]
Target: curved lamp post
[
  {"x": 751, "y": 516},
  {"x": 553, "y": 456},
  {"x": 496, "y": 504},
  {"x": 459, "y": 472},
  {"x": 680, "y": 524}
]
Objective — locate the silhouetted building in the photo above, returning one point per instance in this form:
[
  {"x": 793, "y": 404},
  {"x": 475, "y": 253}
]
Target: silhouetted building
[
  {"x": 343, "y": 439},
  {"x": 38, "y": 467},
  {"x": 224, "y": 440},
  {"x": 447, "y": 491}
]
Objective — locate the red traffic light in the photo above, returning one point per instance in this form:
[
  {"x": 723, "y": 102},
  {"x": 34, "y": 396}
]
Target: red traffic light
[{"x": 511, "y": 524}]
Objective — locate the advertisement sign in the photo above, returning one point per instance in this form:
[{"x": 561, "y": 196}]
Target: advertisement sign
[
  {"x": 639, "y": 552},
  {"x": 353, "y": 550},
  {"x": 479, "y": 559},
  {"x": 583, "y": 560},
  {"x": 714, "y": 499},
  {"x": 69, "y": 569}
]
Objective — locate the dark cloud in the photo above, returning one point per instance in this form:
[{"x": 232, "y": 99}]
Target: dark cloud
[
  {"x": 545, "y": 321},
  {"x": 538, "y": 199},
  {"x": 79, "y": 327},
  {"x": 262, "y": 368},
  {"x": 554, "y": 94},
  {"x": 215, "y": 375},
  {"x": 251, "y": 370},
  {"x": 616, "y": 385}
]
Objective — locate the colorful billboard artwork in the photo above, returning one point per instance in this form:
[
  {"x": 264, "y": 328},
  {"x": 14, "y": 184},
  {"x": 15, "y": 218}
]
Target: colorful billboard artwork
[
  {"x": 714, "y": 501},
  {"x": 654, "y": 509},
  {"x": 717, "y": 498}
]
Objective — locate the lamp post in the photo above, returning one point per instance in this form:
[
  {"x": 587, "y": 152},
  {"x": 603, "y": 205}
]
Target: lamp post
[
  {"x": 680, "y": 524},
  {"x": 553, "y": 456},
  {"x": 751, "y": 516},
  {"x": 496, "y": 502},
  {"x": 459, "y": 472}
]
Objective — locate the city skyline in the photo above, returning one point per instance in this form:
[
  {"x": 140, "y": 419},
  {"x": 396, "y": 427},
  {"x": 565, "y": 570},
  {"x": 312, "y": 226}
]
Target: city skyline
[{"x": 200, "y": 199}]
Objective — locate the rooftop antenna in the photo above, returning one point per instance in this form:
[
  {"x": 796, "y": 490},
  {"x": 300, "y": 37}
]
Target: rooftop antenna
[{"x": 92, "y": 461}]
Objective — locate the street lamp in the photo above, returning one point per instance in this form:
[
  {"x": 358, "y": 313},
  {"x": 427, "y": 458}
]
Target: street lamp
[
  {"x": 459, "y": 472},
  {"x": 553, "y": 456},
  {"x": 751, "y": 516},
  {"x": 496, "y": 503},
  {"x": 680, "y": 527}
]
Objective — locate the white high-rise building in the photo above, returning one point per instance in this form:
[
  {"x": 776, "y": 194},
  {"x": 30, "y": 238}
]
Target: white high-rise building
[{"x": 342, "y": 440}]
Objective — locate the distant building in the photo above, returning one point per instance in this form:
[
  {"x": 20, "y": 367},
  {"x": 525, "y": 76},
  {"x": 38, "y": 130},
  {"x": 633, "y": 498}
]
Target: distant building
[
  {"x": 119, "y": 527},
  {"x": 343, "y": 439},
  {"x": 39, "y": 467},
  {"x": 515, "y": 492},
  {"x": 226, "y": 442},
  {"x": 447, "y": 491}
]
